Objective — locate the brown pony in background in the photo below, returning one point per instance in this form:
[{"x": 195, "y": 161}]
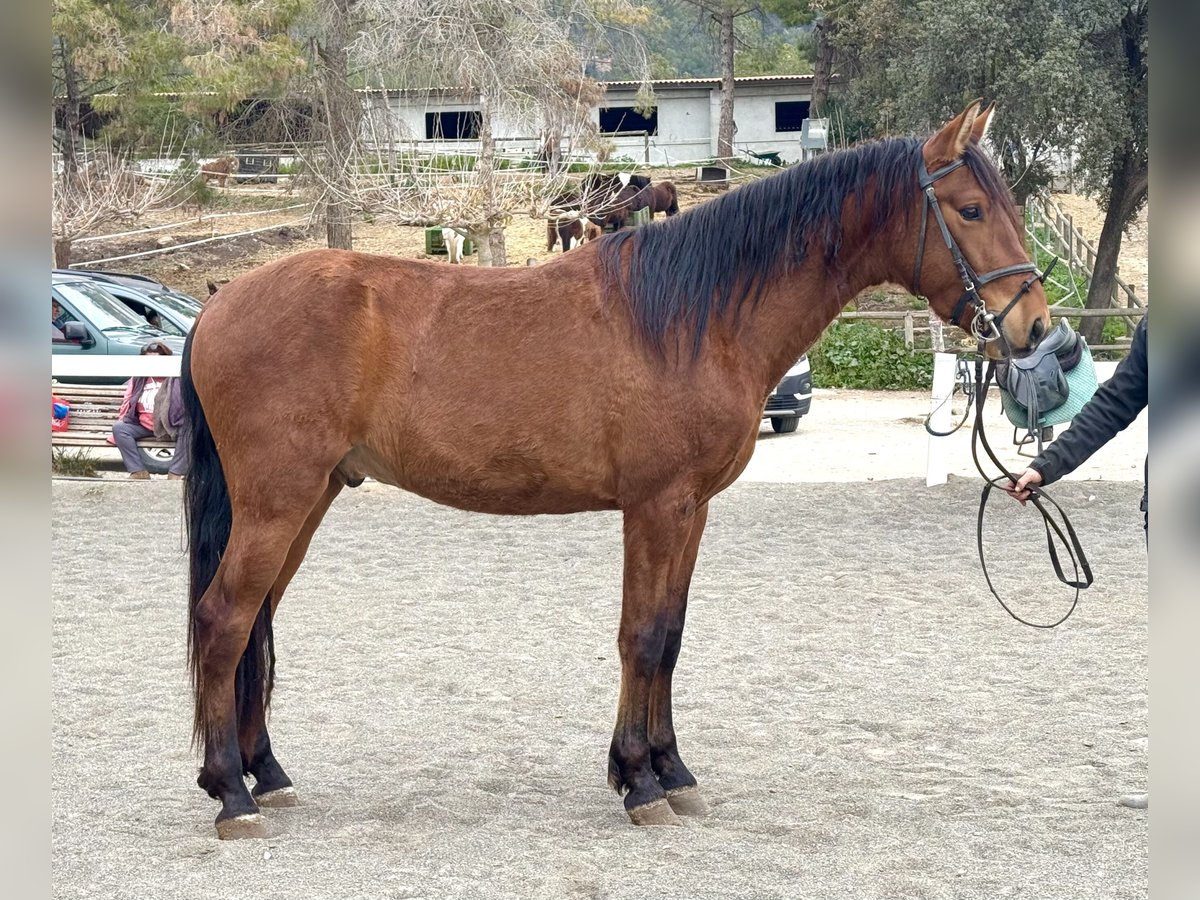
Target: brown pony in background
[
  {"x": 219, "y": 169},
  {"x": 683, "y": 326},
  {"x": 663, "y": 198}
]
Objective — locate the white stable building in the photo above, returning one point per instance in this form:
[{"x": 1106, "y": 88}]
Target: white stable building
[{"x": 770, "y": 115}]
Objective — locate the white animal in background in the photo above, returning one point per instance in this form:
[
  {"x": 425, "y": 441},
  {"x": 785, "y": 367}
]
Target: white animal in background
[{"x": 453, "y": 239}]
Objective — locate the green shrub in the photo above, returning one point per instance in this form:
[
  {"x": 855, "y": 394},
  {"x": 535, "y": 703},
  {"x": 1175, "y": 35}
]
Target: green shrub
[
  {"x": 1115, "y": 329},
  {"x": 864, "y": 356}
]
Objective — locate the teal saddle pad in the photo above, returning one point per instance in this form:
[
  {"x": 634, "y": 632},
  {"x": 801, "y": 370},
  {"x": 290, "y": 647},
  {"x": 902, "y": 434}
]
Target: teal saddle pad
[{"x": 1082, "y": 384}]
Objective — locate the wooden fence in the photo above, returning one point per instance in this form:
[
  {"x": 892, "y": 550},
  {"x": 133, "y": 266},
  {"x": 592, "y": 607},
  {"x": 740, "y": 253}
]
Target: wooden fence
[
  {"x": 1044, "y": 215},
  {"x": 910, "y": 319}
]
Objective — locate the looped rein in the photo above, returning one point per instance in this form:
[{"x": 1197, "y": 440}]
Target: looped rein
[{"x": 1064, "y": 532}]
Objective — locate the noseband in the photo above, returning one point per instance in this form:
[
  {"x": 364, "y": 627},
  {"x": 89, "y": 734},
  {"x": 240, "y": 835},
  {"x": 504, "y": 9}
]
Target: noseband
[{"x": 985, "y": 325}]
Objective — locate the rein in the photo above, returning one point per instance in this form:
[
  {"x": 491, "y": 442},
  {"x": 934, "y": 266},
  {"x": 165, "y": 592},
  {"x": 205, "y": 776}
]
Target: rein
[
  {"x": 985, "y": 326},
  {"x": 1064, "y": 532}
]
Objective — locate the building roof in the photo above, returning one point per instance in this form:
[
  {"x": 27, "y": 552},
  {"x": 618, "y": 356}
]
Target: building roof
[
  {"x": 656, "y": 84},
  {"x": 713, "y": 82}
]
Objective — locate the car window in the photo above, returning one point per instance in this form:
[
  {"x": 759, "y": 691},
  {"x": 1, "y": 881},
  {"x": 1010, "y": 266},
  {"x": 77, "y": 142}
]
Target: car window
[
  {"x": 184, "y": 307},
  {"x": 101, "y": 308},
  {"x": 170, "y": 327}
]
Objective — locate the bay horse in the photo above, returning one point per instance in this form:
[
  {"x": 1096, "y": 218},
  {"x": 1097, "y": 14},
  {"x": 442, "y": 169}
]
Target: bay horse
[{"x": 684, "y": 327}]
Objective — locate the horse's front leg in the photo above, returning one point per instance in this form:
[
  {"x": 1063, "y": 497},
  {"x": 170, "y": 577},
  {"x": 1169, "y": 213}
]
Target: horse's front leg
[
  {"x": 656, "y": 535},
  {"x": 673, "y": 776}
]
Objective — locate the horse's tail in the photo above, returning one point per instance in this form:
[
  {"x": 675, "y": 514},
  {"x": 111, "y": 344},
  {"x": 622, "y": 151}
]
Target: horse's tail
[
  {"x": 673, "y": 206},
  {"x": 209, "y": 517}
]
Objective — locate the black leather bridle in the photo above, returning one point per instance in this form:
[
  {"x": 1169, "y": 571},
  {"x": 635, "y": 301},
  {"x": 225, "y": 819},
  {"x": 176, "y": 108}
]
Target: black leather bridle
[{"x": 985, "y": 325}]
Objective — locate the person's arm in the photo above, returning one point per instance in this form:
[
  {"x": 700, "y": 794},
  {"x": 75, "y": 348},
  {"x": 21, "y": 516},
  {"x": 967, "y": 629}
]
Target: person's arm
[
  {"x": 1112, "y": 409},
  {"x": 125, "y": 401}
]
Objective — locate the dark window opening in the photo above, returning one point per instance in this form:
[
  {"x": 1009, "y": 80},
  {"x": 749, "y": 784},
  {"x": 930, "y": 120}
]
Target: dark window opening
[
  {"x": 453, "y": 126},
  {"x": 618, "y": 119},
  {"x": 790, "y": 115}
]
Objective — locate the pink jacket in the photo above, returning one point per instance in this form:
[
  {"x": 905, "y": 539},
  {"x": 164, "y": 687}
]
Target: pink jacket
[{"x": 145, "y": 416}]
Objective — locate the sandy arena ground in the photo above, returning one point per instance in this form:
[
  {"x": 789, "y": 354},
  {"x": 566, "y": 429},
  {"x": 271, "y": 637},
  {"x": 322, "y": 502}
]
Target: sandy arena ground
[{"x": 865, "y": 720}]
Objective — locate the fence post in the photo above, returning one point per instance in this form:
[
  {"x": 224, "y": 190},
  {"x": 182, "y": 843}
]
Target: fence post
[
  {"x": 936, "y": 468},
  {"x": 908, "y": 330},
  {"x": 937, "y": 339}
]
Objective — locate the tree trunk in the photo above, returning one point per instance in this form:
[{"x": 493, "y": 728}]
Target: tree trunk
[
  {"x": 823, "y": 33},
  {"x": 1127, "y": 185},
  {"x": 483, "y": 246},
  {"x": 71, "y": 116},
  {"x": 725, "y": 126},
  {"x": 343, "y": 116},
  {"x": 498, "y": 247},
  {"x": 62, "y": 252},
  {"x": 490, "y": 244}
]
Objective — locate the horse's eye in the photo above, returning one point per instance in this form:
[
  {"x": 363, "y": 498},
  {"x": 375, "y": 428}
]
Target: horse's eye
[{"x": 970, "y": 213}]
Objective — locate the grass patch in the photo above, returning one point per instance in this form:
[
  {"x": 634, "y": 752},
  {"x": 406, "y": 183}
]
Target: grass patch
[{"x": 75, "y": 461}]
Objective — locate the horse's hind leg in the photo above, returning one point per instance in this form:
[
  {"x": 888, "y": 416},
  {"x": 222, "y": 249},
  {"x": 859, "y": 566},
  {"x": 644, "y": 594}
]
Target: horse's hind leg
[
  {"x": 272, "y": 786},
  {"x": 673, "y": 775},
  {"x": 656, "y": 535},
  {"x": 231, "y": 637}
]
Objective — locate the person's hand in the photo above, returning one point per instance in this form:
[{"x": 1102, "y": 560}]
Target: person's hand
[{"x": 1019, "y": 489}]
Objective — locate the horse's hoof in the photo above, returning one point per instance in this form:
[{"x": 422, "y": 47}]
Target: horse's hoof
[
  {"x": 278, "y": 798},
  {"x": 657, "y": 812},
  {"x": 688, "y": 801},
  {"x": 238, "y": 828}
]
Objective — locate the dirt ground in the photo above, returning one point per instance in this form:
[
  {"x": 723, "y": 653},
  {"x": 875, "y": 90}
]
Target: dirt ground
[{"x": 864, "y": 718}]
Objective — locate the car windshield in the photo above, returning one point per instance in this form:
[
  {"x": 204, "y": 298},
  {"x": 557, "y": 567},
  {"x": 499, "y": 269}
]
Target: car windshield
[
  {"x": 102, "y": 309},
  {"x": 182, "y": 305}
]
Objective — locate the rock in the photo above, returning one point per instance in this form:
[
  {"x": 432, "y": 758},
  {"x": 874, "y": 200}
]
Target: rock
[{"x": 165, "y": 241}]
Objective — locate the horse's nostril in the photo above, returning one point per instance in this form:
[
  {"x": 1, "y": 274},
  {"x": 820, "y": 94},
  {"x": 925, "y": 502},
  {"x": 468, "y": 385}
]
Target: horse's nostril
[{"x": 1037, "y": 331}]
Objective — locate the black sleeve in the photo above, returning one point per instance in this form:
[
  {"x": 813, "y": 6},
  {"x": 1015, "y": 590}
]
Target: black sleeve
[{"x": 1113, "y": 408}]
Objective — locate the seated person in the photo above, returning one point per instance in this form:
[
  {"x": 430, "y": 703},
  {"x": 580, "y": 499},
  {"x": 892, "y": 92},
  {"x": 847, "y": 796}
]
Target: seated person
[
  {"x": 59, "y": 316},
  {"x": 152, "y": 407}
]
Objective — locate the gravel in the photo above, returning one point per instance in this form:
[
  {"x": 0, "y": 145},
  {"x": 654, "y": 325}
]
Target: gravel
[{"x": 864, "y": 719}]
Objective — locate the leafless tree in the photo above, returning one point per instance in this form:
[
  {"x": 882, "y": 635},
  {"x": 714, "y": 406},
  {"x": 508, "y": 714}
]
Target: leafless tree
[
  {"x": 513, "y": 60},
  {"x": 340, "y": 115},
  {"x": 102, "y": 192}
]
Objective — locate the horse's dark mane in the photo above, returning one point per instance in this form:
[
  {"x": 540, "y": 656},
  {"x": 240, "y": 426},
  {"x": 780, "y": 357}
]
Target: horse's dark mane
[{"x": 719, "y": 255}]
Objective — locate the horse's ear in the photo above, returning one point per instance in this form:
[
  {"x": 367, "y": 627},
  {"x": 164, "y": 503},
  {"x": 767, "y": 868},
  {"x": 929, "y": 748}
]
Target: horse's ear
[
  {"x": 983, "y": 122},
  {"x": 950, "y": 143}
]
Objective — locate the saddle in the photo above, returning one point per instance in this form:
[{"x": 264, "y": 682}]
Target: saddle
[{"x": 1049, "y": 386}]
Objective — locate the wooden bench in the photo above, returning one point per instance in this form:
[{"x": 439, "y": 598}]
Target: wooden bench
[{"x": 94, "y": 411}]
